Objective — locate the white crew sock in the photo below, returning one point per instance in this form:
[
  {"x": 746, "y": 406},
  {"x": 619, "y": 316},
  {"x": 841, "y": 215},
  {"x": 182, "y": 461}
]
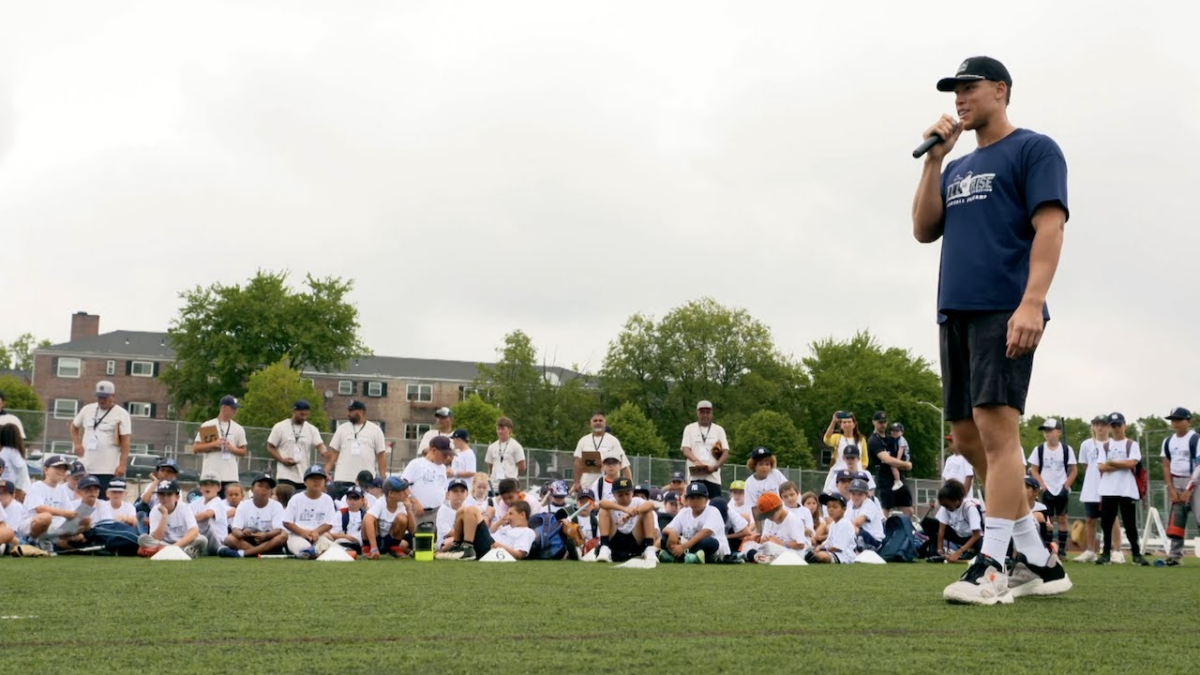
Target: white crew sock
[
  {"x": 1029, "y": 542},
  {"x": 997, "y": 532}
]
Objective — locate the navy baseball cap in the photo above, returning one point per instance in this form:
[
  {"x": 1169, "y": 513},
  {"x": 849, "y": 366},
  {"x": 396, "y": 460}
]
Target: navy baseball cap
[
  {"x": 167, "y": 463},
  {"x": 8, "y": 486},
  {"x": 354, "y": 492},
  {"x": 394, "y": 484},
  {"x": 760, "y": 452},
  {"x": 457, "y": 483},
  {"x": 623, "y": 484},
  {"x": 167, "y": 486},
  {"x": 316, "y": 470},
  {"x": 827, "y": 497},
  {"x": 861, "y": 475},
  {"x": 859, "y": 485},
  {"x": 87, "y": 482},
  {"x": 670, "y": 497},
  {"x": 461, "y": 433},
  {"x": 1179, "y": 414},
  {"x": 897, "y": 427},
  {"x": 678, "y": 477},
  {"x": 1116, "y": 419},
  {"x": 1030, "y": 481},
  {"x": 301, "y": 405},
  {"x": 264, "y": 478},
  {"x": 842, "y": 475},
  {"x": 78, "y": 469},
  {"x": 1100, "y": 419},
  {"x": 116, "y": 485},
  {"x": 364, "y": 478},
  {"x": 440, "y": 443},
  {"x": 976, "y": 69},
  {"x": 642, "y": 489},
  {"x": 586, "y": 494},
  {"x": 851, "y": 451},
  {"x": 357, "y": 405},
  {"x": 696, "y": 489},
  {"x": 230, "y": 401}
]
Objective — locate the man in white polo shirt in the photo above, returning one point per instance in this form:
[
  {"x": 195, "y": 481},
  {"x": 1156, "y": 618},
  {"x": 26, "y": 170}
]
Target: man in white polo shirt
[
  {"x": 291, "y": 444},
  {"x": 226, "y": 443},
  {"x": 1053, "y": 464},
  {"x": 357, "y": 445},
  {"x": 592, "y": 450},
  {"x": 100, "y": 434},
  {"x": 706, "y": 448},
  {"x": 443, "y": 426},
  {"x": 1180, "y": 457}
]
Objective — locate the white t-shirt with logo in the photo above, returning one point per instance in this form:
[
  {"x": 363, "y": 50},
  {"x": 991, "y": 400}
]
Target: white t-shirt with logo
[
  {"x": 179, "y": 522},
  {"x": 1178, "y": 450},
  {"x": 101, "y": 432},
  {"x": 504, "y": 458},
  {"x": 354, "y": 523},
  {"x": 309, "y": 514},
  {"x": 217, "y": 527},
  {"x": 41, "y": 494},
  {"x": 687, "y": 524},
  {"x": 789, "y": 531},
  {"x": 294, "y": 442},
  {"x": 357, "y": 446},
  {"x": 623, "y": 521},
  {"x": 1054, "y": 472},
  {"x": 701, "y": 441},
  {"x": 756, "y": 488},
  {"x": 251, "y": 518},
  {"x": 223, "y": 463},
  {"x": 385, "y": 517},
  {"x": 1119, "y": 483},
  {"x": 964, "y": 520},
  {"x": 608, "y": 446},
  {"x": 428, "y": 480},
  {"x": 520, "y": 538},
  {"x": 870, "y": 509},
  {"x": 1090, "y": 492}
]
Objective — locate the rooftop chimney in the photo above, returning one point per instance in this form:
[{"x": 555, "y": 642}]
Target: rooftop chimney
[{"x": 84, "y": 325}]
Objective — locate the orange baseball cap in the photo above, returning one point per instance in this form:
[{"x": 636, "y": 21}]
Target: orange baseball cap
[{"x": 768, "y": 502}]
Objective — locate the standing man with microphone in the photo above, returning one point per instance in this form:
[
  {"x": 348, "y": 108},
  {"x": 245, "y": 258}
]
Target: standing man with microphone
[{"x": 1000, "y": 212}]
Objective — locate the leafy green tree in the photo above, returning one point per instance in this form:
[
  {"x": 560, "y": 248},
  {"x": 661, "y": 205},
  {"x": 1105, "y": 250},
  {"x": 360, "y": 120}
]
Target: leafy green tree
[
  {"x": 223, "y": 334},
  {"x": 478, "y": 417},
  {"x": 19, "y": 396},
  {"x": 22, "y": 351},
  {"x": 272, "y": 391},
  {"x": 701, "y": 350},
  {"x": 636, "y": 432},
  {"x": 862, "y": 376},
  {"x": 774, "y": 431}
]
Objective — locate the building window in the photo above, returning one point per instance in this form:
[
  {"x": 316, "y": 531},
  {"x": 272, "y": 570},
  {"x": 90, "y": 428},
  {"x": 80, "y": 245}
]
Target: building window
[
  {"x": 69, "y": 367},
  {"x": 141, "y": 368},
  {"x": 139, "y": 409},
  {"x": 65, "y": 408},
  {"x": 110, "y": 368},
  {"x": 464, "y": 393},
  {"x": 422, "y": 393},
  {"x": 345, "y": 387},
  {"x": 375, "y": 389},
  {"x": 62, "y": 448},
  {"x": 413, "y": 432},
  {"x": 170, "y": 411}
]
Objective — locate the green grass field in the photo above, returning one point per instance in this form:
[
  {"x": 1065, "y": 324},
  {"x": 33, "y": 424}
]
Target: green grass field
[{"x": 249, "y": 616}]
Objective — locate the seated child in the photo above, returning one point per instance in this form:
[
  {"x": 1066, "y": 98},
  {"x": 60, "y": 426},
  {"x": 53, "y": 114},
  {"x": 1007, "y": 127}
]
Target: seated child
[
  {"x": 838, "y": 546},
  {"x": 866, "y": 516}
]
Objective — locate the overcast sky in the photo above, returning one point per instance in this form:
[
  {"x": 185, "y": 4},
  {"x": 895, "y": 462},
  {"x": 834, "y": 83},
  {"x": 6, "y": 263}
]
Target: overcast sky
[{"x": 483, "y": 167}]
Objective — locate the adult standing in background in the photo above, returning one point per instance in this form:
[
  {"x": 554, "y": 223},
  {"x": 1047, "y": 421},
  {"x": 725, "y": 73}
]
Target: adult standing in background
[
  {"x": 842, "y": 431},
  {"x": 221, "y": 454},
  {"x": 885, "y": 449},
  {"x": 357, "y": 445},
  {"x": 443, "y": 426},
  {"x": 602, "y": 443},
  {"x": 1180, "y": 456},
  {"x": 8, "y": 418},
  {"x": 100, "y": 434},
  {"x": 706, "y": 448},
  {"x": 291, "y": 444},
  {"x": 505, "y": 457}
]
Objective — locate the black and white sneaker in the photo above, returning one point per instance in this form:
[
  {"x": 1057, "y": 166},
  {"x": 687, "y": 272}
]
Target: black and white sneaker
[
  {"x": 984, "y": 583},
  {"x": 1025, "y": 578}
]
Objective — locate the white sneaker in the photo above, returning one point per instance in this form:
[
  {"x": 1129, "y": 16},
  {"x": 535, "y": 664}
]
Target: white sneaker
[
  {"x": 984, "y": 583},
  {"x": 897, "y": 485},
  {"x": 604, "y": 554},
  {"x": 1085, "y": 557},
  {"x": 1118, "y": 558},
  {"x": 650, "y": 553}
]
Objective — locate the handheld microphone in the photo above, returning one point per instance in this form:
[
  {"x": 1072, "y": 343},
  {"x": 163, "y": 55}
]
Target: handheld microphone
[{"x": 927, "y": 144}]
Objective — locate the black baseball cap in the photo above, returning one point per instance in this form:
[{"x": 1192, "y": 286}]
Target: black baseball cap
[
  {"x": 827, "y": 497},
  {"x": 440, "y": 443},
  {"x": 57, "y": 460},
  {"x": 1030, "y": 481},
  {"x": 897, "y": 427},
  {"x": 976, "y": 69},
  {"x": 670, "y": 497},
  {"x": 264, "y": 478},
  {"x": 357, "y": 405},
  {"x": 116, "y": 485},
  {"x": 167, "y": 463},
  {"x": 461, "y": 433},
  {"x": 1100, "y": 419},
  {"x": 623, "y": 484},
  {"x": 678, "y": 476},
  {"x": 1179, "y": 414},
  {"x": 842, "y": 475},
  {"x": 167, "y": 486},
  {"x": 8, "y": 486},
  {"x": 354, "y": 492},
  {"x": 87, "y": 482},
  {"x": 859, "y": 485},
  {"x": 1116, "y": 419},
  {"x": 457, "y": 483},
  {"x": 760, "y": 452},
  {"x": 696, "y": 489},
  {"x": 78, "y": 469},
  {"x": 879, "y": 416},
  {"x": 642, "y": 489},
  {"x": 364, "y": 478},
  {"x": 586, "y": 494},
  {"x": 851, "y": 451},
  {"x": 843, "y": 415}
]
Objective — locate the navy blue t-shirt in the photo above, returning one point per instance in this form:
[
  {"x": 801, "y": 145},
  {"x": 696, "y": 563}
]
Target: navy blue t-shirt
[{"x": 990, "y": 197}]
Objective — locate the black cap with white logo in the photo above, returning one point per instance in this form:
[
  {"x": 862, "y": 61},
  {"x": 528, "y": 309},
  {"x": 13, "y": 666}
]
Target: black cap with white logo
[{"x": 976, "y": 69}]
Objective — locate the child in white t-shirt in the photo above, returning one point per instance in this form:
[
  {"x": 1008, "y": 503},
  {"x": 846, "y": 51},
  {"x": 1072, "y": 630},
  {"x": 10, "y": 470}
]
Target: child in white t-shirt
[
  {"x": 348, "y": 525},
  {"x": 211, "y": 513},
  {"x": 960, "y": 523},
  {"x": 13, "y": 509},
  {"x": 309, "y": 516},
  {"x": 737, "y": 501},
  {"x": 764, "y": 476},
  {"x": 120, "y": 510},
  {"x": 391, "y": 522},
  {"x": 48, "y": 502},
  {"x": 172, "y": 523},
  {"x": 866, "y": 516},
  {"x": 515, "y": 538},
  {"x": 257, "y": 527},
  {"x": 782, "y": 529},
  {"x": 838, "y": 546},
  {"x": 789, "y": 492},
  {"x": 456, "y": 495}
]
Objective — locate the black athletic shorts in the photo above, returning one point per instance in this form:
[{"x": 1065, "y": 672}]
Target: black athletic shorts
[
  {"x": 975, "y": 369},
  {"x": 623, "y": 547},
  {"x": 1056, "y": 505},
  {"x": 897, "y": 499},
  {"x": 1091, "y": 509}
]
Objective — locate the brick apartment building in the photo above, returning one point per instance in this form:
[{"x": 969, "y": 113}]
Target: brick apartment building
[{"x": 401, "y": 393}]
